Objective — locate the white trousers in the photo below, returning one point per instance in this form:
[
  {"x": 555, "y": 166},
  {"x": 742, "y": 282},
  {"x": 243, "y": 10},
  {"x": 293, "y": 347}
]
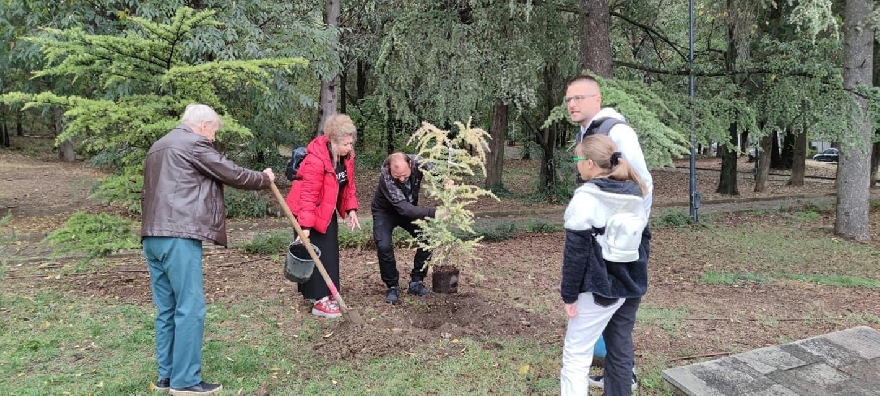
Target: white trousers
[{"x": 580, "y": 338}]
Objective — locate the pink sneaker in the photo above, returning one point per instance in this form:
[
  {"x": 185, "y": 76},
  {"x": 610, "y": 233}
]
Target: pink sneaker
[{"x": 326, "y": 308}]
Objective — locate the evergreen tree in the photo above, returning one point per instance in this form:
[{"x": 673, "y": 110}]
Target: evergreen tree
[{"x": 143, "y": 80}]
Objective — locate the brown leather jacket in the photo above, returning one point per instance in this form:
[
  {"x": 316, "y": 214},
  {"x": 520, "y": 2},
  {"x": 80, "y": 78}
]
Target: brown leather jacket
[{"x": 184, "y": 176}]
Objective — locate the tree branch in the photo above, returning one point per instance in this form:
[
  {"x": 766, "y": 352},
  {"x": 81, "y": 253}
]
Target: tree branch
[
  {"x": 651, "y": 31},
  {"x": 724, "y": 73}
]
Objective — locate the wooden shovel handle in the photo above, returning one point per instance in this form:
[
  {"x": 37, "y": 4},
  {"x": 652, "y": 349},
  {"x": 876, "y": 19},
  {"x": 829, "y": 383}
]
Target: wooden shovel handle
[{"x": 312, "y": 252}]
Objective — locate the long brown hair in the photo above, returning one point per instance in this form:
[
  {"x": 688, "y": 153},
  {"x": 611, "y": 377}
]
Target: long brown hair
[{"x": 600, "y": 149}]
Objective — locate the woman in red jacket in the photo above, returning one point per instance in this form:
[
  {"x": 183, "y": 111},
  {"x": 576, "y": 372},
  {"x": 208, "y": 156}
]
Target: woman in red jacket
[{"x": 324, "y": 184}]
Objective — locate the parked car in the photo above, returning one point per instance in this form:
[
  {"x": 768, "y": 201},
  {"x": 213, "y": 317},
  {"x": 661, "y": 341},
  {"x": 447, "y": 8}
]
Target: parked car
[{"x": 828, "y": 155}]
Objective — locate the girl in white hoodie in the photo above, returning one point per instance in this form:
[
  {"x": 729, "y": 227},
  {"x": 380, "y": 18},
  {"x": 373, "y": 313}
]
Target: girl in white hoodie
[{"x": 604, "y": 269}]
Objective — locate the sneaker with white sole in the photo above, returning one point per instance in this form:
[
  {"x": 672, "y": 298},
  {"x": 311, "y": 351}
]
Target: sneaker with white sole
[
  {"x": 201, "y": 389},
  {"x": 598, "y": 381},
  {"x": 326, "y": 308},
  {"x": 162, "y": 385}
]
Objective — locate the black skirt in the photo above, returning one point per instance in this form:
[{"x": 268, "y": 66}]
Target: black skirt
[{"x": 315, "y": 288}]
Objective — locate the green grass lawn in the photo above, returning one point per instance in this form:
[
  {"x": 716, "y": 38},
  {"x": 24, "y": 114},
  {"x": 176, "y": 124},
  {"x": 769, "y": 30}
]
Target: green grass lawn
[{"x": 54, "y": 342}]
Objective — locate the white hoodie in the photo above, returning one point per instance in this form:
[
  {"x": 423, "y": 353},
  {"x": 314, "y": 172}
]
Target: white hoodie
[
  {"x": 628, "y": 143},
  {"x": 623, "y": 216}
]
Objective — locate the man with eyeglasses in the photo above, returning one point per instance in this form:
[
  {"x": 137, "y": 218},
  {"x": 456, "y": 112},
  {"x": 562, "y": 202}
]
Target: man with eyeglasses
[{"x": 583, "y": 100}]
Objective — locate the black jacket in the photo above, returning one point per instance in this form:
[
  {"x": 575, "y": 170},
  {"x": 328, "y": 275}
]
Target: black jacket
[
  {"x": 395, "y": 197},
  {"x": 585, "y": 270}
]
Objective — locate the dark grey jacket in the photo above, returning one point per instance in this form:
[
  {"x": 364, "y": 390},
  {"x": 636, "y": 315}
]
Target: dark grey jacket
[
  {"x": 394, "y": 197},
  {"x": 184, "y": 176}
]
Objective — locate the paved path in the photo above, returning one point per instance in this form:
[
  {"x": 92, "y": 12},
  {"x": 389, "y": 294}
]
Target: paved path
[{"x": 841, "y": 363}]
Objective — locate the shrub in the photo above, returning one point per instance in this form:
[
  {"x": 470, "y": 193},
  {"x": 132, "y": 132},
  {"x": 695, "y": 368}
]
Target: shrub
[
  {"x": 97, "y": 235},
  {"x": 541, "y": 226},
  {"x": 499, "y": 231},
  {"x": 268, "y": 243},
  {"x": 671, "y": 218},
  {"x": 354, "y": 239},
  {"x": 245, "y": 203}
]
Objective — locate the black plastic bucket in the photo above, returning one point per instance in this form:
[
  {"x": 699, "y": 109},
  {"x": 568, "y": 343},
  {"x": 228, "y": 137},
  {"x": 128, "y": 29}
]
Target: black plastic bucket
[{"x": 298, "y": 266}]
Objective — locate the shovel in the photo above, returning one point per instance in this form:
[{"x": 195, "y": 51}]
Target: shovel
[{"x": 348, "y": 314}]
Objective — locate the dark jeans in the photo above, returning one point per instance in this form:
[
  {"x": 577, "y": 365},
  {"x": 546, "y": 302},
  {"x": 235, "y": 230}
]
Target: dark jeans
[
  {"x": 383, "y": 226},
  {"x": 619, "y": 355}
]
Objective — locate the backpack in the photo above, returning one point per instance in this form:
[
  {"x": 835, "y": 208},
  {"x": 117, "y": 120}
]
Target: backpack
[
  {"x": 623, "y": 236},
  {"x": 296, "y": 159}
]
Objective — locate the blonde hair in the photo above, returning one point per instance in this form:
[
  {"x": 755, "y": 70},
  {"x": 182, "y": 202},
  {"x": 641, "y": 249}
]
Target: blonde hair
[
  {"x": 599, "y": 149},
  {"x": 339, "y": 126}
]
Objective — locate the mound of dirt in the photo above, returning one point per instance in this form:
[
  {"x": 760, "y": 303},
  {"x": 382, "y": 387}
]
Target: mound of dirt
[{"x": 438, "y": 321}]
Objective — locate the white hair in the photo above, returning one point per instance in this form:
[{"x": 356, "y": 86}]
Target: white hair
[{"x": 197, "y": 113}]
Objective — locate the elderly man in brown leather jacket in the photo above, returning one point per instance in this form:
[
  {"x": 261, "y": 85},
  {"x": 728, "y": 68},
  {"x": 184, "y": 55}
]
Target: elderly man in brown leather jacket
[{"x": 182, "y": 205}]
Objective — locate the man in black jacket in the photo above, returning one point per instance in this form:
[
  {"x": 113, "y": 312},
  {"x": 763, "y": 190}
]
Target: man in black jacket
[{"x": 395, "y": 204}]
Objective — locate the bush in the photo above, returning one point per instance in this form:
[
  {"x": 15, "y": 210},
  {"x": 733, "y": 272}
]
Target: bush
[
  {"x": 121, "y": 188},
  {"x": 245, "y": 203},
  {"x": 499, "y": 231},
  {"x": 671, "y": 218},
  {"x": 540, "y": 226},
  {"x": 354, "y": 239},
  {"x": 269, "y": 243},
  {"x": 96, "y": 235}
]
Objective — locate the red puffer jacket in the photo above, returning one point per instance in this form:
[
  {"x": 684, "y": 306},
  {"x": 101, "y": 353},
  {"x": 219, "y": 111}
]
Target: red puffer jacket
[{"x": 312, "y": 197}]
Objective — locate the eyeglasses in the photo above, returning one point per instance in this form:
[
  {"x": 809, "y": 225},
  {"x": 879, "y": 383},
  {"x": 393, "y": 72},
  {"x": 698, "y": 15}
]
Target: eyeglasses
[
  {"x": 577, "y": 98},
  {"x": 578, "y": 159}
]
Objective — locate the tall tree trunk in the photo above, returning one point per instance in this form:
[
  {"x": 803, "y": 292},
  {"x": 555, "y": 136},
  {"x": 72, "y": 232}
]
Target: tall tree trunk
[
  {"x": 389, "y": 132},
  {"x": 744, "y": 142},
  {"x": 328, "y": 98},
  {"x": 799, "y": 156},
  {"x": 787, "y": 154},
  {"x": 4, "y": 135},
  {"x": 854, "y": 168},
  {"x": 546, "y": 139},
  {"x": 495, "y": 167},
  {"x": 19, "y": 128},
  {"x": 594, "y": 37},
  {"x": 875, "y": 153},
  {"x": 343, "y": 101},
  {"x": 763, "y": 164},
  {"x": 362, "y": 68},
  {"x": 727, "y": 182},
  {"x": 875, "y": 162},
  {"x": 548, "y": 167},
  {"x": 775, "y": 157},
  {"x": 65, "y": 150},
  {"x": 4, "y": 131}
]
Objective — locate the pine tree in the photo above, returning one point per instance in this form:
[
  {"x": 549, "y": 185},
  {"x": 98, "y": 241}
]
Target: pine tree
[
  {"x": 140, "y": 82},
  {"x": 447, "y": 157}
]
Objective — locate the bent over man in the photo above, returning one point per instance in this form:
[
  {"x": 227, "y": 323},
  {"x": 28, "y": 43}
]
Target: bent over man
[{"x": 396, "y": 204}]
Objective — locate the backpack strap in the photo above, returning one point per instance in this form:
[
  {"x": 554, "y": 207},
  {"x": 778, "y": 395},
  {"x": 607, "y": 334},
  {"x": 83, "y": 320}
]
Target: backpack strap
[{"x": 604, "y": 126}]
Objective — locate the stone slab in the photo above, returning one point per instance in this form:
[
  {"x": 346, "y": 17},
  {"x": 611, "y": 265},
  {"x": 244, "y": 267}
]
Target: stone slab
[{"x": 846, "y": 362}]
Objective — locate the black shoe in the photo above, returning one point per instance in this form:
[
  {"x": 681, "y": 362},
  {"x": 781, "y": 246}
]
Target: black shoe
[
  {"x": 393, "y": 295},
  {"x": 598, "y": 381},
  {"x": 201, "y": 389},
  {"x": 417, "y": 288},
  {"x": 162, "y": 385}
]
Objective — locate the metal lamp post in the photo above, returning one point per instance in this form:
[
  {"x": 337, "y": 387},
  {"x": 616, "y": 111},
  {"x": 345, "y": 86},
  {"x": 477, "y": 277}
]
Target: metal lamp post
[{"x": 692, "y": 185}]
